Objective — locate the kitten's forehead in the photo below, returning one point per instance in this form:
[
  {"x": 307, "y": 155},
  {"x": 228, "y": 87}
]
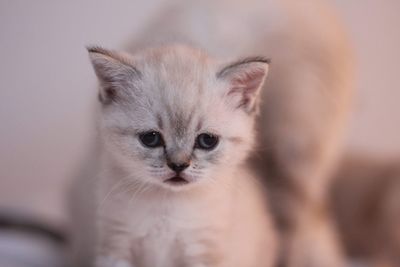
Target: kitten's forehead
[
  {"x": 177, "y": 56},
  {"x": 179, "y": 69},
  {"x": 180, "y": 83}
]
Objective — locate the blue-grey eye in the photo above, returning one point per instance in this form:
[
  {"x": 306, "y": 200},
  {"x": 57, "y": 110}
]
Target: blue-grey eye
[
  {"x": 151, "y": 139},
  {"x": 206, "y": 141}
]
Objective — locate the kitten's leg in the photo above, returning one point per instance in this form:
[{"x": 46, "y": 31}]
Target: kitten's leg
[
  {"x": 303, "y": 115},
  {"x": 299, "y": 204},
  {"x": 299, "y": 176},
  {"x": 311, "y": 243},
  {"x": 113, "y": 243},
  {"x": 202, "y": 248}
]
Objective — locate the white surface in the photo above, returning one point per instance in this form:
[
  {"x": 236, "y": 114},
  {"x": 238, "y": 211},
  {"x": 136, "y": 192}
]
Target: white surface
[
  {"x": 47, "y": 84},
  {"x": 19, "y": 249}
]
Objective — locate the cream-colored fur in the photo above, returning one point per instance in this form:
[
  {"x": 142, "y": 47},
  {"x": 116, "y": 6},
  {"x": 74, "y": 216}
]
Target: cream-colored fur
[
  {"x": 220, "y": 217},
  {"x": 304, "y": 106},
  {"x": 210, "y": 226},
  {"x": 304, "y": 103}
]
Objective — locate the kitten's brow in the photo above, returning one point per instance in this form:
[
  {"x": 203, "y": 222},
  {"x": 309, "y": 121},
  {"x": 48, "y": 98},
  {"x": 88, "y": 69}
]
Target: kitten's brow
[
  {"x": 199, "y": 124},
  {"x": 159, "y": 121},
  {"x": 191, "y": 115},
  {"x": 236, "y": 139}
]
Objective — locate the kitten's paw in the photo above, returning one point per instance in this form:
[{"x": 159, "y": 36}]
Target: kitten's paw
[
  {"x": 313, "y": 246},
  {"x": 108, "y": 261}
]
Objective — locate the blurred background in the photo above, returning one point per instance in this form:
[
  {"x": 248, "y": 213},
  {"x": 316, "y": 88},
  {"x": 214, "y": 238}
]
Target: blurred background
[{"x": 48, "y": 86}]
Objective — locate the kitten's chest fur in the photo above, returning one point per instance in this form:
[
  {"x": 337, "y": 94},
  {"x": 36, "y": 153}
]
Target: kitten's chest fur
[{"x": 169, "y": 231}]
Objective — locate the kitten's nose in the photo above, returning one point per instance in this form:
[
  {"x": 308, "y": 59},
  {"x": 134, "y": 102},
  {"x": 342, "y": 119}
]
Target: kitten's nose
[{"x": 178, "y": 167}]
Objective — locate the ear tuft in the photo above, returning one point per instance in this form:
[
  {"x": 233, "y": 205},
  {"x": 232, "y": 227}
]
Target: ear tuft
[
  {"x": 245, "y": 78},
  {"x": 97, "y": 49},
  {"x": 114, "y": 71}
]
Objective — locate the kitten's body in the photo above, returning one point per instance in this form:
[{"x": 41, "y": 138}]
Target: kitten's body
[
  {"x": 303, "y": 110},
  {"x": 142, "y": 219},
  {"x": 214, "y": 226}
]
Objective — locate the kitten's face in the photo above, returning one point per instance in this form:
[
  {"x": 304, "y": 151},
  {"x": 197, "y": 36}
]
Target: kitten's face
[{"x": 172, "y": 117}]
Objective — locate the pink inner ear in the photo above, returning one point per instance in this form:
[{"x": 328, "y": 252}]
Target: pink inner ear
[{"x": 247, "y": 84}]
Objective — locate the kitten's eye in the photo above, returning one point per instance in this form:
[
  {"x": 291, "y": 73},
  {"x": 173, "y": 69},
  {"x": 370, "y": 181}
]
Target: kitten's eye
[
  {"x": 206, "y": 141},
  {"x": 151, "y": 139}
]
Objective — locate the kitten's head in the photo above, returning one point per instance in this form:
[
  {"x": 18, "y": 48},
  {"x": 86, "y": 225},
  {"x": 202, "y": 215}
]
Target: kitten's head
[{"x": 173, "y": 117}]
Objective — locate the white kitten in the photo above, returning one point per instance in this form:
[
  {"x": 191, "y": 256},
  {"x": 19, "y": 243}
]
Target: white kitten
[{"x": 176, "y": 127}]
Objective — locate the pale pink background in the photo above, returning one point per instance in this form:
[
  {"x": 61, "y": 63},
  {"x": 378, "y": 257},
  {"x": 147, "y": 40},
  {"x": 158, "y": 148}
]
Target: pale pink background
[{"x": 47, "y": 84}]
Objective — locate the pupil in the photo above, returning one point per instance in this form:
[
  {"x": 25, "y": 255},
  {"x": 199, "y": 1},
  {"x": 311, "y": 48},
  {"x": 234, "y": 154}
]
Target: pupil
[
  {"x": 150, "y": 138},
  {"x": 208, "y": 140}
]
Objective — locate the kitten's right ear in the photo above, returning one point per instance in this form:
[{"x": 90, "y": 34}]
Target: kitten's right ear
[
  {"x": 114, "y": 72},
  {"x": 245, "y": 79}
]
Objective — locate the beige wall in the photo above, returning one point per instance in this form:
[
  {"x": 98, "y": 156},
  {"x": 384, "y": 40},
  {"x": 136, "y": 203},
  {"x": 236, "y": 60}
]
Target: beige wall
[
  {"x": 47, "y": 84},
  {"x": 374, "y": 28}
]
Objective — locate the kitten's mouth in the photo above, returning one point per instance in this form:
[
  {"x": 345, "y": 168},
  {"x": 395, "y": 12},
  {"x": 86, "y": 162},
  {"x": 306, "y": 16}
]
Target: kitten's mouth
[{"x": 176, "y": 180}]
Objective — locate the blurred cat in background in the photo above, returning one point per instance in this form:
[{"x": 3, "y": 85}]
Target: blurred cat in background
[
  {"x": 304, "y": 104},
  {"x": 366, "y": 204},
  {"x": 302, "y": 115}
]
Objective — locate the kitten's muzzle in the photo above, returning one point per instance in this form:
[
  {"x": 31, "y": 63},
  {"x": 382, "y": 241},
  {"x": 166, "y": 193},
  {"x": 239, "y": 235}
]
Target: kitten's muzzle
[{"x": 177, "y": 168}]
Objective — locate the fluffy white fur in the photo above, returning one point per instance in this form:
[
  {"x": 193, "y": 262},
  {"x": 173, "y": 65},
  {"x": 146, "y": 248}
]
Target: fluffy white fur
[{"x": 220, "y": 217}]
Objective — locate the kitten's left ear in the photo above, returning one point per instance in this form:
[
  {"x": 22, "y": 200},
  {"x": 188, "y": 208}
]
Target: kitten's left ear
[
  {"x": 245, "y": 79},
  {"x": 114, "y": 72}
]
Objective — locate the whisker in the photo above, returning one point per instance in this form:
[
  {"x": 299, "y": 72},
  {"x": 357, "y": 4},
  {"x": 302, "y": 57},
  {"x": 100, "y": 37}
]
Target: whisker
[
  {"x": 138, "y": 189},
  {"x": 121, "y": 182}
]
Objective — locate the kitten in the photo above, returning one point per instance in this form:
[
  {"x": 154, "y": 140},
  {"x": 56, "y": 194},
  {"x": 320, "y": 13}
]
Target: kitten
[
  {"x": 175, "y": 129},
  {"x": 304, "y": 105}
]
